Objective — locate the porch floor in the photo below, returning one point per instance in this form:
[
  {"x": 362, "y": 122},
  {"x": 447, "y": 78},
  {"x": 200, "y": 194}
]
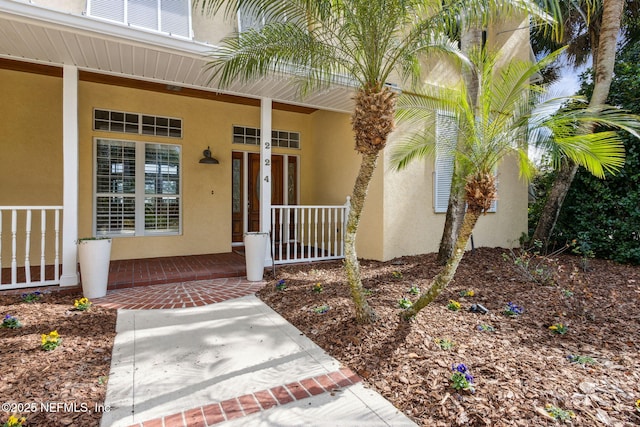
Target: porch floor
[
  {"x": 132, "y": 273},
  {"x": 154, "y": 271}
]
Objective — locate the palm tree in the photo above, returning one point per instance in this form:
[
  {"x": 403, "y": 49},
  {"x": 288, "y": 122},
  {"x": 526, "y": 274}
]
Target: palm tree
[
  {"x": 471, "y": 37},
  {"x": 510, "y": 114},
  {"x": 364, "y": 40},
  {"x": 604, "y": 29}
]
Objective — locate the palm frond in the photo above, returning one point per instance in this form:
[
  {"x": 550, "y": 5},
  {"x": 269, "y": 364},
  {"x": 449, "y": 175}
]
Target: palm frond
[
  {"x": 597, "y": 152},
  {"x": 412, "y": 146}
]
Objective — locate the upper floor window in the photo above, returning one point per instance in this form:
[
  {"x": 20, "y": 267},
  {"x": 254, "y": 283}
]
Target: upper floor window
[{"x": 167, "y": 16}]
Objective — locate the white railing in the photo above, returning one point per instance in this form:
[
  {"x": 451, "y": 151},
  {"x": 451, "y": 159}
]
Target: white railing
[
  {"x": 308, "y": 233},
  {"x": 28, "y": 232}
]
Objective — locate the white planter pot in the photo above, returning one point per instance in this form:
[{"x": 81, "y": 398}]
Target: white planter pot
[
  {"x": 255, "y": 248},
  {"x": 94, "y": 256}
]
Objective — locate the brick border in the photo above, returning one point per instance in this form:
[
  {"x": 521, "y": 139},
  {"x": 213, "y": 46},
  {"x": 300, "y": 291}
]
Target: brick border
[
  {"x": 263, "y": 400},
  {"x": 179, "y": 294}
]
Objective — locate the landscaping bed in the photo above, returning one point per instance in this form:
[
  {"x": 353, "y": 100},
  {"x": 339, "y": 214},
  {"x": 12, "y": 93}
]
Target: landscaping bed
[
  {"x": 65, "y": 386},
  {"x": 519, "y": 365}
]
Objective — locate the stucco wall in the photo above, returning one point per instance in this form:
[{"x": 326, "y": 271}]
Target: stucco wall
[
  {"x": 30, "y": 156},
  {"x": 211, "y": 29},
  {"x": 76, "y": 7},
  {"x": 206, "y": 216},
  {"x": 31, "y": 131},
  {"x": 335, "y": 167},
  {"x": 31, "y": 160}
]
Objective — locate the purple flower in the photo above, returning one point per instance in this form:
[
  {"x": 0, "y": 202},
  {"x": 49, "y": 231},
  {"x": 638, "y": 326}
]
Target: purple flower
[
  {"x": 460, "y": 367},
  {"x": 513, "y": 309}
]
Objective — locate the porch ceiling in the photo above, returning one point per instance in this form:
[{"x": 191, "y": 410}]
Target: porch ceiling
[{"x": 35, "y": 34}]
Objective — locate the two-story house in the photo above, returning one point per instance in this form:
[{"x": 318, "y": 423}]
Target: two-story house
[{"x": 111, "y": 127}]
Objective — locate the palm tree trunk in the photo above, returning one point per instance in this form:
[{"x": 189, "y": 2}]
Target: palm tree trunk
[
  {"x": 603, "y": 74},
  {"x": 470, "y": 39},
  {"x": 553, "y": 205},
  {"x": 444, "y": 277},
  {"x": 452, "y": 222},
  {"x": 364, "y": 312}
]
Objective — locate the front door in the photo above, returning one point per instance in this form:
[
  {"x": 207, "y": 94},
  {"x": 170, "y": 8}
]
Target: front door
[
  {"x": 279, "y": 176},
  {"x": 254, "y": 187}
]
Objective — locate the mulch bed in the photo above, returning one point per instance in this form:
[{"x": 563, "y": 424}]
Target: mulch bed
[
  {"x": 62, "y": 387},
  {"x": 519, "y": 368}
]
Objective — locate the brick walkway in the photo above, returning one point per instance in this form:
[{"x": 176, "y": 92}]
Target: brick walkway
[
  {"x": 203, "y": 292},
  {"x": 262, "y": 400},
  {"x": 178, "y": 295}
]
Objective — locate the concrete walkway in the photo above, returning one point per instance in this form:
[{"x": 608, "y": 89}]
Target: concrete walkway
[{"x": 232, "y": 363}]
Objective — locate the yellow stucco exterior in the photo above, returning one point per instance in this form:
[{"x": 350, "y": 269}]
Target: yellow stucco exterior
[{"x": 398, "y": 218}]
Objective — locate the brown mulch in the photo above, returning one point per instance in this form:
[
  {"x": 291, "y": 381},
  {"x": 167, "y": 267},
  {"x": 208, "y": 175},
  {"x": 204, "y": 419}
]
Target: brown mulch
[
  {"x": 62, "y": 387},
  {"x": 519, "y": 368}
]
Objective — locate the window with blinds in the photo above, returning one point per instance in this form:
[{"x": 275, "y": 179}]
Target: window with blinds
[
  {"x": 137, "y": 188},
  {"x": 167, "y": 16},
  {"x": 446, "y": 137}
]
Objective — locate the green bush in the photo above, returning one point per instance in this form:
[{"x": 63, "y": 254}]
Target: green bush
[{"x": 604, "y": 215}]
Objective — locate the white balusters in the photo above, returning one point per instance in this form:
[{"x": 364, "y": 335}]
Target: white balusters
[
  {"x": 22, "y": 236},
  {"x": 308, "y": 233}
]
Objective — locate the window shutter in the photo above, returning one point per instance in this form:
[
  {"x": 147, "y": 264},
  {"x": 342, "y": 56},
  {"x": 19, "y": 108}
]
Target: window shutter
[
  {"x": 143, "y": 13},
  {"x": 107, "y": 9},
  {"x": 446, "y": 138},
  {"x": 175, "y": 17}
]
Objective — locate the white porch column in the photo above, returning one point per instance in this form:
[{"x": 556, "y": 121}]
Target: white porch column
[
  {"x": 69, "y": 275},
  {"x": 265, "y": 171}
]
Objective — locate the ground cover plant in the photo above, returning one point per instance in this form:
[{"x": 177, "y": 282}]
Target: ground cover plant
[{"x": 523, "y": 373}]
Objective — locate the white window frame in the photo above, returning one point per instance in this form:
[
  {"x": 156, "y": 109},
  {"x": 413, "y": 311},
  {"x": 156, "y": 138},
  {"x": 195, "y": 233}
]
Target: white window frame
[
  {"x": 247, "y": 135},
  {"x": 446, "y": 141},
  {"x": 123, "y": 7},
  {"x": 139, "y": 195},
  {"x": 137, "y": 123}
]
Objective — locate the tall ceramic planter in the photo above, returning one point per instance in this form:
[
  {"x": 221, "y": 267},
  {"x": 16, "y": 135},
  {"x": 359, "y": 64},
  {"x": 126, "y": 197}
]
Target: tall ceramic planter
[
  {"x": 255, "y": 249},
  {"x": 94, "y": 256}
]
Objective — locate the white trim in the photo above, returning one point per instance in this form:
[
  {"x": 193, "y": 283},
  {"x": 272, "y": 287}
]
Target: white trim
[
  {"x": 139, "y": 190},
  {"x": 265, "y": 164},
  {"x": 139, "y": 194},
  {"x": 69, "y": 275},
  {"x": 245, "y": 191},
  {"x": 265, "y": 171},
  {"x": 88, "y": 28},
  {"x": 96, "y": 26}
]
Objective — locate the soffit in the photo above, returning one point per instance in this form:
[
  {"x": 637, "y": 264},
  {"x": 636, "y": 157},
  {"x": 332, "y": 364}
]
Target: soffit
[{"x": 40, "y": 35}]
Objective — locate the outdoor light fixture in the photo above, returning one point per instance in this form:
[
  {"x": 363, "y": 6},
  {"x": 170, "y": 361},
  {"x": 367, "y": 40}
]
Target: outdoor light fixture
[{"x": 207, "y": 159}]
